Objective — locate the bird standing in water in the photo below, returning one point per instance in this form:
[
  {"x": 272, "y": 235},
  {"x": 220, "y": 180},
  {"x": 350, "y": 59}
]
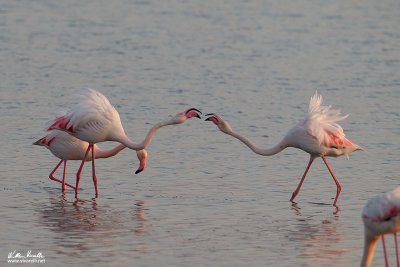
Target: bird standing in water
[
  {"x": 66, "y": 147},
  {"x": 95, "y": 120},
  {"x": 318, "y": 134}
]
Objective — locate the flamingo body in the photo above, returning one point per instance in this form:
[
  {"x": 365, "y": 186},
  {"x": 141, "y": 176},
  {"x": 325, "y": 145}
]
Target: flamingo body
[
  {"x": 319, "y": 134},
  {"x": 66, "y": 147},
  {"x": 95, "y": 120}
]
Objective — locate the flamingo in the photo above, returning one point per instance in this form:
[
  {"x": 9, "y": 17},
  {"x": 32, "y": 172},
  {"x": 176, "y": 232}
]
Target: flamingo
[
  {"x": 318, "y": 134},
  {"x": 381, "y": 215},
  {"x": 95, "y": 120},
  {"x": 66, "y": 147}
]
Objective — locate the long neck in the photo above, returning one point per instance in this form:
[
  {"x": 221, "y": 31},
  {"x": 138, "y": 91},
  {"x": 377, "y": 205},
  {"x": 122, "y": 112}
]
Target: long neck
[
  {"x": 261, "y": 151},
  {"x": 150, "y": 134},
  {"x": 369, "y": 248},
  {"x": 99, "y": 153}
]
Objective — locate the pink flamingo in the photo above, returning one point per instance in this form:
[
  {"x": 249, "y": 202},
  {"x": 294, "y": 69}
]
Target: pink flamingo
[
  {"x": 66, "y": 147},
  {"x": 95, "y": 120},
  {"x": 381, "y": 215},
  {"x": 318, "y": 134}
]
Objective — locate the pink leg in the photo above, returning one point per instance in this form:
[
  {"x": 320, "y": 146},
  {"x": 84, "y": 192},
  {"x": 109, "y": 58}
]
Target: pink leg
[
  {"x": 302, "y": 179},
  {"x": 338, "y": 186},
  {"x": 397, "y": 250},
  {"x": 384, "y": 251},
  {"x": 94, "y": 174},
  {"x": 78, "y": 174},
  {"x": 51, "y": 175},
  {"x": 63, "y": 180}
]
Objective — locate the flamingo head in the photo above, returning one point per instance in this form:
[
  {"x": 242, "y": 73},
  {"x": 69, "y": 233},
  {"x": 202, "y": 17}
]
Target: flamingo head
[
  {"x": 142, "y": 156},
  {"x": 183, "y": 116},
  {"x": 221, "y": 124}
]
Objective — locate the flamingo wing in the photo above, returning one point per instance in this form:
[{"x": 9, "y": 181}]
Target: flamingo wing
[
  {"x": 94, "y": 111},
  {"x": 321, "y": 123}
]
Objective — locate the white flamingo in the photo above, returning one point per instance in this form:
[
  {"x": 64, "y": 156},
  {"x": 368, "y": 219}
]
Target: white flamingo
[
  {"x": 318, "y": 134},
  {"x": 95, "y": 120},
  {"x": 66, "y": 147},
  {"x": 381, "y": 215}
]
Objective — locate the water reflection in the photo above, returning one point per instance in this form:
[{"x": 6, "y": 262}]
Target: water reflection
[
  {"x": 83, "y": 226},
  {"x": 140, "y": 229},
  {"x": 321, "y": 237},
  {"x": 139, "y": 217},
  {"x": 295, "y": 207}
]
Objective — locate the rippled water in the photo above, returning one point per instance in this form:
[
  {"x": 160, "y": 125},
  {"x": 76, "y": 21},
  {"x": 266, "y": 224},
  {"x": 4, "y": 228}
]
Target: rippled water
[{"x": 205, "y": 199}]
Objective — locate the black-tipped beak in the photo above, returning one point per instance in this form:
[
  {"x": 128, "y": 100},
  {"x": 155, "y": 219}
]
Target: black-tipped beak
[
  {"x": 138, "y": 171},
  {"x": 209, "y": 118},
  {"x": 195, "y": 109},
  {"x": 197, "y": 112}
]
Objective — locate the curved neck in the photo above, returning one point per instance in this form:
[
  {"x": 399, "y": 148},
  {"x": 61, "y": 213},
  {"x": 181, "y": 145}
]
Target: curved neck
[
  {"x": 101, "y": 154},
  {"x": 150, "y": 134},
  {"x": 369, "y": 248},
  {"x": 260, "y": 151}
]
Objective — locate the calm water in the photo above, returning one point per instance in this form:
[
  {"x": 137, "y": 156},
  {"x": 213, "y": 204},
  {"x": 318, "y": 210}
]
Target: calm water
[{"x": 205, "y": 199}]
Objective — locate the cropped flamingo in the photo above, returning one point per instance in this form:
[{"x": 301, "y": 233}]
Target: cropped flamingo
[
  {"x": 318, "y": 134},
  {"x": 95, "y": 120},
  {"x": 381, "y": 215},
  {"x": 66, "y": 147}
]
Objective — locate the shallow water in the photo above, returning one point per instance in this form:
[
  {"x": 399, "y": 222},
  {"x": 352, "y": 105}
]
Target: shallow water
[{"x": 205, "y": 199}]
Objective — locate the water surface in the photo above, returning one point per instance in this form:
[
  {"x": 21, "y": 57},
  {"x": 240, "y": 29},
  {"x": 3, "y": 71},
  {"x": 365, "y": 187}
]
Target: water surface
[{"x": 205, "y": 199}]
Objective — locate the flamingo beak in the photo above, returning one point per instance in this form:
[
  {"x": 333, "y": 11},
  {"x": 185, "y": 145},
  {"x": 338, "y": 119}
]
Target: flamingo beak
[
  {"x": 213, "y": 118},
  {"x": 193, "y": 112},
  {"x": 142, "y": 156},
  {"x": 142, "y": 166},
  {"x": 138, "y": 171},
  {"x": 209, "y": 118}
]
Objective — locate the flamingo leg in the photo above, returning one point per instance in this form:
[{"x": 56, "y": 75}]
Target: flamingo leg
[
  {"x": 94, "y": 174},
  {"x": 78, "y": 174},
  {"x": 338, "y": 186},
  {"x": 63, "y": 180},
  {"x": 397, "y": 250},
  {"x": 51, "y": 175},
  {"x": 384, "y": 251},
  {"x": 302, "y": 179}
]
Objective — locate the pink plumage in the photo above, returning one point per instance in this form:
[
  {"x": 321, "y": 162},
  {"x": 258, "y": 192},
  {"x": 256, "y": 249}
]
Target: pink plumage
[
  {"x": 319, "y": 134},
  {"x": 94, "y": 120},
  {"x": 382, "y": 207},
  {"x": 66, "y": 147}
]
